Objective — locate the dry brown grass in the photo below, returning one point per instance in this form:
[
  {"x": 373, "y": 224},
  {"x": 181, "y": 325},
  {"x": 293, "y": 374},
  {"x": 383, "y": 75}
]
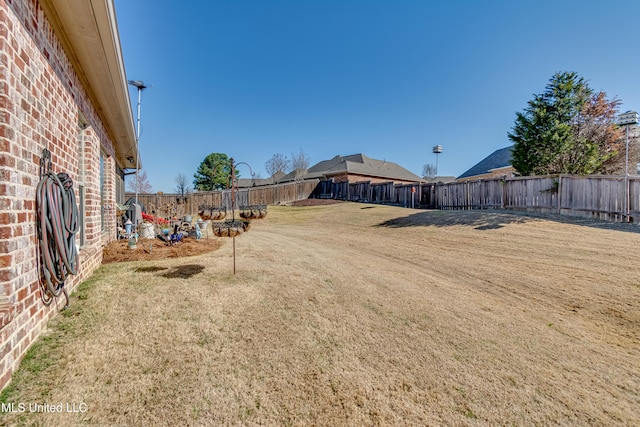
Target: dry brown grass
[{"x": 355, "y": 314}]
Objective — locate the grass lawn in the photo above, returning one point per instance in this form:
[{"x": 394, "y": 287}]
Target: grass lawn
[{"x": 354, "y": 314}]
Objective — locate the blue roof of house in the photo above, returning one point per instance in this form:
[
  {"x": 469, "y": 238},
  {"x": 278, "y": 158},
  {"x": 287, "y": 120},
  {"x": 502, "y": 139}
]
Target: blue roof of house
[{"x": 498, "y": 159}]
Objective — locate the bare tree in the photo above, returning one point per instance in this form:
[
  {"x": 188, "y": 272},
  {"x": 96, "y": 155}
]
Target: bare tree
[
  {"x": 182, "y": 185},
  {"x": 429, "y": 171},
  {"x": 141, "y": 184},
  {"x": 277, "y": 165},
  {"x": 299, "y": 164},
  {"x": 300, "y": 160}
]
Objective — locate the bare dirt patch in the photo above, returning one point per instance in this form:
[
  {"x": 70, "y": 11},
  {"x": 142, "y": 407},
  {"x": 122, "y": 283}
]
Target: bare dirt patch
[{"x": 354, "y": 314}]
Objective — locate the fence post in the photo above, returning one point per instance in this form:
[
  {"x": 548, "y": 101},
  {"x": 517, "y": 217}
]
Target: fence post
[
  {"x": 467, "y": 202},
  {"x": 560, "y": 194},
  {"x": 504, "y": 192},
  {"x": 435, "y": 195}
]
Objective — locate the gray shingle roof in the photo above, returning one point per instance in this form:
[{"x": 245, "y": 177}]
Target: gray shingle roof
[
  {"x": 498, "y": 159},
  {"x": 254, "y": 182},
  {"x": 361, "y": 165}
]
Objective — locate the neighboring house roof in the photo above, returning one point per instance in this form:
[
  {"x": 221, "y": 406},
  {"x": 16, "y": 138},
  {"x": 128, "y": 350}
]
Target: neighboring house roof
[
  {"x": 360, "y": 164},
  {"x": 296, "y": 174},
  {"x": 356, "y": 164},
  {"x": 88, "y": 32},
  {"x": 254, "y": 182},
  {"x": 440, "y": 179},
  {"x": 498, "y": 159}
]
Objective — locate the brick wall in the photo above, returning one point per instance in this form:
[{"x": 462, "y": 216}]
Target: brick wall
[{"x": 41, "y": 100}]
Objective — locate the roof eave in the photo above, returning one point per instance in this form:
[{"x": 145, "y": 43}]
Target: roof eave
[{"x": 88, "y": 32}]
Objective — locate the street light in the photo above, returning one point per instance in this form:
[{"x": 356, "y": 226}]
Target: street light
[
  {"x": 627, "y": 119},
  {"x": 141, "y": 86}
]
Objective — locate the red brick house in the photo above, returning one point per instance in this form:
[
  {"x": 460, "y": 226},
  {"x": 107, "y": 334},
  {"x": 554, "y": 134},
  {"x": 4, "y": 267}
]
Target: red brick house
[{"x": 64, "y": 89}]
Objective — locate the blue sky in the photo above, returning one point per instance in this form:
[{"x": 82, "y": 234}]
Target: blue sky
[{"x": 387, "y": 78}]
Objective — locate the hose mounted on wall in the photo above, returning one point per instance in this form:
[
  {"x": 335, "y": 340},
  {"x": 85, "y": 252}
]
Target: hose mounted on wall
[{"x": 57, "y": 219}]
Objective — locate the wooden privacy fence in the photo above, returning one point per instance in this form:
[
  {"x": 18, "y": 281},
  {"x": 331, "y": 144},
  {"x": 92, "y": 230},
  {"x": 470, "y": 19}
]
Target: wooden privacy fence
[
  {"x": 176, "y": 206},
  {"x": 406, "y": 195},
  {"x": 600, "y": 196},
  {"x": 596, "y": 196}
]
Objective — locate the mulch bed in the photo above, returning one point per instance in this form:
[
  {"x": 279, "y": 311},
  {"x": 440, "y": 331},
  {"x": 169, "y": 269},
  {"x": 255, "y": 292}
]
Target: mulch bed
[{"x": 150, "y": 249}]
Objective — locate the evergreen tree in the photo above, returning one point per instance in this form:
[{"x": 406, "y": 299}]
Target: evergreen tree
[
  {"x": 214, "y": 173},
  {"x": 551, "y": 135}
]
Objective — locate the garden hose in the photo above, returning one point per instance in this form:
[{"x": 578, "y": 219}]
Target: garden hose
[{"x": 57, "y": 219}]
